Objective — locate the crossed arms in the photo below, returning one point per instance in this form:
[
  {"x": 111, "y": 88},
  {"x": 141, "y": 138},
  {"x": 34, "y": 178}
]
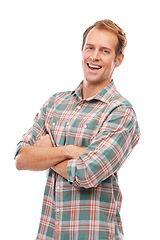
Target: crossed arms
[
  {"x": 84, "y": 167},
  {"x": 42, "y": 155}
]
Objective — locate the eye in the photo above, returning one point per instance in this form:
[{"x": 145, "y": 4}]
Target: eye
[
  {"x": 106, "y": 51},
  {"x": 89, "y": 48}
]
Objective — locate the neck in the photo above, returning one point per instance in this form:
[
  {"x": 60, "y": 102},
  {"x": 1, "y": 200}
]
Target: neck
[{"x": 90, "y": 90}]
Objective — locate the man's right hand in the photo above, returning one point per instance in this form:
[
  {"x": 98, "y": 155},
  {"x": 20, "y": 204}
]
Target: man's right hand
[{"x": 73, "y": 151}]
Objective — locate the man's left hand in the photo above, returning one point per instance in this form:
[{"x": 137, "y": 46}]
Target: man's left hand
[{"x": 44, "y": 141}]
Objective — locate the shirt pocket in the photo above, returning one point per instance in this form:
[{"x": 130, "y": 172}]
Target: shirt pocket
[
  {"x": 80, "y": 131},
  {"x": 57, "y": 133}
]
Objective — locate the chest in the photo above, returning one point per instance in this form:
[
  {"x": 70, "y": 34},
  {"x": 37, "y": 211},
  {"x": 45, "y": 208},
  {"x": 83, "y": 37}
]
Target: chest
[{"x": 75, "y": 122}]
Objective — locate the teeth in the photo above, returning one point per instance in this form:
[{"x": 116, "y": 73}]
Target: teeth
[{"x": 93, "y": 66}]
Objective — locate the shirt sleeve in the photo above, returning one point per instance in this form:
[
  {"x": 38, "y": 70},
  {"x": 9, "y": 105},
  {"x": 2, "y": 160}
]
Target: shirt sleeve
[
  {"x": 38, "y": 129},
  {"x": 107, "y": 152}
]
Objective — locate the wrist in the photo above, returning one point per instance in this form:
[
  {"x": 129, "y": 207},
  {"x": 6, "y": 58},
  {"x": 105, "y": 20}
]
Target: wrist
[{"x": 67, "y": 151}]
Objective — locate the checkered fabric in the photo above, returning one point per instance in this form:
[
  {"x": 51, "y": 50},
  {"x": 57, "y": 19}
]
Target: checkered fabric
[{"x": 87, "y": 206}]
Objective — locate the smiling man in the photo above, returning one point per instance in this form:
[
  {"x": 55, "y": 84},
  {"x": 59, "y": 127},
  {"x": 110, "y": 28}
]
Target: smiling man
[{"x": 83, "y": 137}]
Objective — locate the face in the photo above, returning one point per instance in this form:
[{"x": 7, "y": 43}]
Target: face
[{"x": 99, "y": 56}]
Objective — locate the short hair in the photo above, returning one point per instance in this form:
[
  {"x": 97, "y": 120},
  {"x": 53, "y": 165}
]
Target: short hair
[{"x": 110, "y": 26}]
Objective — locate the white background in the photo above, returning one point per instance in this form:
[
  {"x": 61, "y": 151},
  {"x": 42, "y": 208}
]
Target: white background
[{"x": 40, "y": 54}]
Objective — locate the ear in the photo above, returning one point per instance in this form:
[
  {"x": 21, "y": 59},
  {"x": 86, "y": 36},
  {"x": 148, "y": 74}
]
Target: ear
[{"x": 119, "y": 60}]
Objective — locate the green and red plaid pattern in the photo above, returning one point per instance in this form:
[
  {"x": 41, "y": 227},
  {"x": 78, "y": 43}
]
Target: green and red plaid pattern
[{"x": 87, "y": 206}]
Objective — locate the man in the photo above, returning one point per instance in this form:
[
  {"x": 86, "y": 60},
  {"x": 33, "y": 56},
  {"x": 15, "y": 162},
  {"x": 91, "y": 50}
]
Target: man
[{"x": 83, "y": 137}]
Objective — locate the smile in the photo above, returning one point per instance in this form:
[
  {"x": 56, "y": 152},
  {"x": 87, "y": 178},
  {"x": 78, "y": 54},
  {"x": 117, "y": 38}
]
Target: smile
[{"x": 91, "y": 66}]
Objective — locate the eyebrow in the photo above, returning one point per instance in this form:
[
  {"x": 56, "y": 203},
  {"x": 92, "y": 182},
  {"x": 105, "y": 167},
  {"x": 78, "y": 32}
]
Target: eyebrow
[{"x": 92, "y": 45}]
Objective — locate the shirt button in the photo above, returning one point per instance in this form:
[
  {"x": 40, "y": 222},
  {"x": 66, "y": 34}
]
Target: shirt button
[
  {"x": 67, "y": 123},
  {"x": 57, "y": 187},
  {"x": 79, "y": 107},
  {"x": 53, "y": 124},
  {"x": 85, "y": 126},
  {"x": 57, "y": 210}
]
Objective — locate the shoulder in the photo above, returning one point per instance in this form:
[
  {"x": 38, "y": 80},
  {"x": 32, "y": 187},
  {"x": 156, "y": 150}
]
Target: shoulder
[
  {"x": 55, "y": 99},
  {"x": 59, "y": 97},
  {"x": 118, "y": 107},
  {"x": 118, "y": 100},
  {"x": 113, "y": 99}
]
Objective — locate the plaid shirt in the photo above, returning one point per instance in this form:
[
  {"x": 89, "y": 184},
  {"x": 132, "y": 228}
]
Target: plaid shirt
[{"x": 87, "y": 206}]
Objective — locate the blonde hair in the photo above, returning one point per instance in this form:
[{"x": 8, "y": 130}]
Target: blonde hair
[{"x": 110, "y": 26}]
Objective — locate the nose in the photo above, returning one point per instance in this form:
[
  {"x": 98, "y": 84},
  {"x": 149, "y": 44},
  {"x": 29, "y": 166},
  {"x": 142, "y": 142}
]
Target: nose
[{"x": 95, "y": 55}]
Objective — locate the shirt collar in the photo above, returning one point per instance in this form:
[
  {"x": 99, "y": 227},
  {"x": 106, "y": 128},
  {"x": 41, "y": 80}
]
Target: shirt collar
[{"x": 104, "y": 95}]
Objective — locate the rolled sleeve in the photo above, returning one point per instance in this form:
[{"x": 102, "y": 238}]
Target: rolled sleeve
[
  {"x": 108, "y": 150},
  {"x": 19, "y": 146},
  {"x": 71, "y": 170}
]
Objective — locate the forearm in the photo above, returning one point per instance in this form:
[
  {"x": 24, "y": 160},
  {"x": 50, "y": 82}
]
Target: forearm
[
  {"x": 43, "y": 155},
  {"x": 61, "y": 169},
  {"x": 40, "y": 158},
  {"x": 73, "y": 152}
]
